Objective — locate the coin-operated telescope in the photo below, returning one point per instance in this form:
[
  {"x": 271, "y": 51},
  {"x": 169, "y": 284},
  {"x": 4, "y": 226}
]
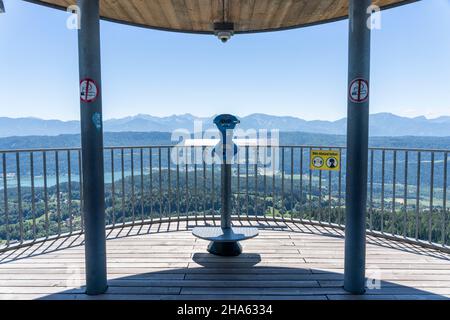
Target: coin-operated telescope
[{"x": 225, "y": 239}]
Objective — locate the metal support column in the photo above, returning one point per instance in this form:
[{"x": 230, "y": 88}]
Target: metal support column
[
  {"x": 228, "y": 145},
  {"x": 357, "y": 146},
  {"x": 92, "y": 146}
]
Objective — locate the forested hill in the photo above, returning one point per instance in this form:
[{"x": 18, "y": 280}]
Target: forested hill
[{"x": 164, "y": 138}]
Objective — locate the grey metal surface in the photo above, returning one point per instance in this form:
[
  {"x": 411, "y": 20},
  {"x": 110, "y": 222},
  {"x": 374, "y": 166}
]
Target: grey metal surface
[
  {"x": 218, "y": 234},
  {"x": 92, "y": 149},
  {"x": 225, "y": 233},
  {"x": 357, "y": 149},
  {"x": 226, "y": 149}
]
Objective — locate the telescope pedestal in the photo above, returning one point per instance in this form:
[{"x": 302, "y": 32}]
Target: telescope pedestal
[{"x": 225, "y": 241}]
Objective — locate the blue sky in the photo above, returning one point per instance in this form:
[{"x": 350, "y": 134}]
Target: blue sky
[{"x": 300, "y": 72}]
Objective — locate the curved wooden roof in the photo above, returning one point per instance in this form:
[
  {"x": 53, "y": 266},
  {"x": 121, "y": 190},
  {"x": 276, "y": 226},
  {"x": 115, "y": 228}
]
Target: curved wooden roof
[{"x": 198, "y": 16}]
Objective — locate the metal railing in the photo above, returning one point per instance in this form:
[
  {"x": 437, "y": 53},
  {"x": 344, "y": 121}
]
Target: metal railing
[{"x": 41, "y": 190}]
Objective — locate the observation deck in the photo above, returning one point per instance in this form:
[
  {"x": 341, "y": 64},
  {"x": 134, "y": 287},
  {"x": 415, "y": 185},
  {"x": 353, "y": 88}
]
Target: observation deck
[
  {"x": 290, "y": 259},
  {"x": 163, "y": 260}
]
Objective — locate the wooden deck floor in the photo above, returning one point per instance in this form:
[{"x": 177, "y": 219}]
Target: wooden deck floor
[{"x": 164, "y": 261}]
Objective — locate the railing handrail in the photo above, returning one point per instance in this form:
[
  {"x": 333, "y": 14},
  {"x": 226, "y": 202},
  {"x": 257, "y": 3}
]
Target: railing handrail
[{"x": 305, "y": 146}]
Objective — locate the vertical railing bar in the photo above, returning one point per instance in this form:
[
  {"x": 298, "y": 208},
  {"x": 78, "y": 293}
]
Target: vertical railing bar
[
  {"x": 5, "y": 198},
  {"x": 213, "y": 207},
  {"x": 150, "y": 154},
  {"x": 292, "y": 184},
  {"x": 383, "y": 157},
  {"x": 178, "y": 181},
  {"x": 195, "y": 184},
  {"x": 58, "y": 203},
  {"x": 329, "y": 198},
  {"x": 256, "y": 182},
  {"x": 320, "y": 196},
  {"x": 204, "y": 182},
  {"x": 80, "y": 184},
  {"x": 141, "y": 153},
  {"x": 33, "y": 200},
  {"x": 113, "y": 190},
  {"x": 444, "y": 201},
  {"x": 430, "y": 215},
  {"x": 187, "y": 182},
  {"x": 300, "y": 215},
  {"x": 161, "y": 209},
  {"x": 340, "y": 191},
  {"x": 169, "y": 186},
  {"x": 238, "y": 197},
  {"x": 247, "y": 196},
  {"x": 19, "y": 197},
  {"x": 405, "y": 196},
  {"x": 371, "y": 190},
  {"x": 265, "y": 183},
  {"x": 310, "y": 188},
  {"x": 133, "y": 196},
  {"x": 69, "y": 186},
  {"x": 273, "y": 185},
  {"x": 44, "y": 163},
  {"x": 122, "y": 163},
  {"x": 282, "y": 182},
  {"x": 418, "y": 194},
  {"x": 394, "y": 180}
]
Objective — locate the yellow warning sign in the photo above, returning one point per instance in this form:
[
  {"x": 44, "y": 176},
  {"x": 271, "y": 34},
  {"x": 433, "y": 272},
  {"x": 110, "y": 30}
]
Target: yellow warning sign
[{"x": 325, "y": 160}]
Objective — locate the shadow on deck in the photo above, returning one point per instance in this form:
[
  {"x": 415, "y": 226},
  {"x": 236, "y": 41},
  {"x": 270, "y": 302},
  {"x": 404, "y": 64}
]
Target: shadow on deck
[{"x": 164, "y": 261}]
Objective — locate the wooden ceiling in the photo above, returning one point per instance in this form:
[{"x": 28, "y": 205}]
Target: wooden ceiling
[{"x": 198, "y": 16}]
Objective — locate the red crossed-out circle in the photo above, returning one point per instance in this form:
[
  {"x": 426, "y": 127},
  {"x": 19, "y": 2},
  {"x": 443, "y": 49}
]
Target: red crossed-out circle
[
  {"x": 359, "y": 90},
  {"x": 88, "y": 90}
]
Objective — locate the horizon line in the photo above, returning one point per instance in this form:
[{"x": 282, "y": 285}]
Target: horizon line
[{"x": 240, "y": 116}]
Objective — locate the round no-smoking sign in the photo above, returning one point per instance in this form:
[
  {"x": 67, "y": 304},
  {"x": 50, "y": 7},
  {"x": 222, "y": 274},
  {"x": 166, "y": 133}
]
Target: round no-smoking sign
[
  {"x": 88, "y": 90},
  {"x": 359, "y": 90}
]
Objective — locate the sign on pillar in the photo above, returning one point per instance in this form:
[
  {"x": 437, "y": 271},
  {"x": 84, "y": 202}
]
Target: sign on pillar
[
  {"x": 359, "y": 90},
  {"x": 88, "y": 90}
]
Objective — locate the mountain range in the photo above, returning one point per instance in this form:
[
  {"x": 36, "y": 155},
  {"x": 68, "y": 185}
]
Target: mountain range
[{"x": 381, "y": 124}]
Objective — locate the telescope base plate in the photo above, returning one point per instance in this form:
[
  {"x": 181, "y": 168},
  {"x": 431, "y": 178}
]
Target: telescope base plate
[
  {"x": 224, "y": 242},
  {"x": 225, "y": 249}
]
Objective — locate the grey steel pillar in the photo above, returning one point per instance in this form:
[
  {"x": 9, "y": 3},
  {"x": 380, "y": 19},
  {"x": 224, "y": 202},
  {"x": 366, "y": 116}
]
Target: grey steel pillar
[
  {"x": 357, "y": 146},
  {"x": 92, "y": 146}
]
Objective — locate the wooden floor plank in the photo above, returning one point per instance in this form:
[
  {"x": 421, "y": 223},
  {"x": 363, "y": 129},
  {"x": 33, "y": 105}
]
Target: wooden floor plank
[{"x": 294, "y": 262}]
